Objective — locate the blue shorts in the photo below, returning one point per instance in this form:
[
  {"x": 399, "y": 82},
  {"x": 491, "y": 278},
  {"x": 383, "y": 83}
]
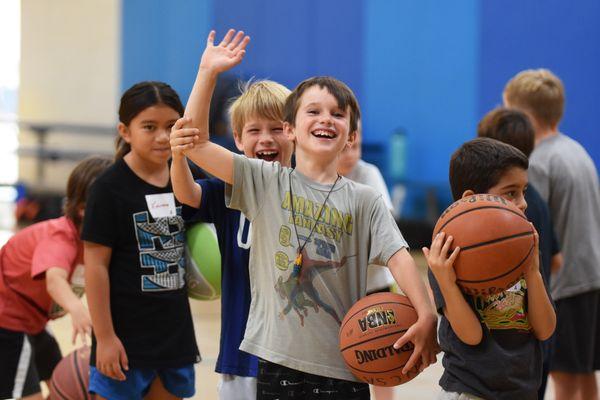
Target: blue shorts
[{"x": 180, "y": 382}]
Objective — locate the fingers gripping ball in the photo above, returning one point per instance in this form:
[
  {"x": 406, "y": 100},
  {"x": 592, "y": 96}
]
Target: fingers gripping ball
[
  {"x": 71, "y": 377},
  {"x": 496, "y": 242},
  {"x": 367, "y": 336},
  {"x": 203, "y": 262}
]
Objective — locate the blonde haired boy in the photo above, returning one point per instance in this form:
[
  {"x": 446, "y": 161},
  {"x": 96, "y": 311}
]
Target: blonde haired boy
[
  {"x": 566, "y": 177},
  {"x": 257, "y": 124},
  {"x": 315, "y": 233}
]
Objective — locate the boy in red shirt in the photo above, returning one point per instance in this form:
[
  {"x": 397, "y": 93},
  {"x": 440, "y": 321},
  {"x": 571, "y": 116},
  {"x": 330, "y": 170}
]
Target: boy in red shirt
[{"x": 36, "y": 266}]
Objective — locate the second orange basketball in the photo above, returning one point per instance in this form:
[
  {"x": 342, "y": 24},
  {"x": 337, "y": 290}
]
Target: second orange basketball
[{"x": 496, "y": 242}]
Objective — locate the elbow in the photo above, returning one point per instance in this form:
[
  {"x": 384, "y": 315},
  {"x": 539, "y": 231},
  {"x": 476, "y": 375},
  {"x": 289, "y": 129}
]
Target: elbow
[
  {"x": 545, "y": 332},
  {"x": 472, "y": 340},
  {"x": 471, "y": 337}
]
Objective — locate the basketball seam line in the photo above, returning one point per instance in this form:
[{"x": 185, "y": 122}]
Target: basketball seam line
[
  {"x": 81, "y": 383},
  {"x": 516, "y": 235},
  {"x": 373, "y": 305},
  {"x": 58, "y": 391},
  {"x": 370, "y": 339},
  {"x": 479, "y": 208},
  {"x": 377, "y": 372},
  {"x": 504, "y": 274}
]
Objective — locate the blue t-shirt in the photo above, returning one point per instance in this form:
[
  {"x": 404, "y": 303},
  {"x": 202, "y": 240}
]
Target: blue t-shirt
[{"x": 233, "y": 230}]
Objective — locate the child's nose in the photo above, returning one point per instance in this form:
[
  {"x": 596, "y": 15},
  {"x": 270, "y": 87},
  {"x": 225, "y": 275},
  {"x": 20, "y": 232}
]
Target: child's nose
[{"x": 163, "y": 135}]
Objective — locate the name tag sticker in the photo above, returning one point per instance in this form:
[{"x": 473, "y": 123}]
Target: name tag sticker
[{"x": 161, "y": 205}]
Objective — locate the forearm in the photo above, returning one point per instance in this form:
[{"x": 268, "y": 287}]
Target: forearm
[
  {"x": 406, "y": 274},
  {"x": 60, "y": 291},
  {"x": 186, "y": 190},
  {"x": 539, "y": 307},
  {"x": 461, "y": 317},
  {"x": 211, "y": 157},
  {"x": 98, "y": 297}
]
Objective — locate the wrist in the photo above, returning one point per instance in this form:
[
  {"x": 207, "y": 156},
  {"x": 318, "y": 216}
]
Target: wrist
[{"x": 208, "y": 71}]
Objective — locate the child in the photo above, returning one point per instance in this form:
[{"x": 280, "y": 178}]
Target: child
[
  {"x": 488, "y": 352},
  {"x": 513, "y": 127},
  {"x": 257, "y": 124},
  {"x": 315, "y": 232},
  {"x": 36, "y": 265},
  {"x": 143, "y": 342},
  {"x": 567, "y": 179}
]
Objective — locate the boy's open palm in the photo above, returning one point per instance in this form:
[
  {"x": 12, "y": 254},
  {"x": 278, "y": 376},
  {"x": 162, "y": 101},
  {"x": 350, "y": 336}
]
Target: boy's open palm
[{"x": 226, "y": 54}]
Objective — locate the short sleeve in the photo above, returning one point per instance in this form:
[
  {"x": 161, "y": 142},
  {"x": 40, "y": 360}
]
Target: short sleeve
[
  {"x": 251, "y": 181},
  {"x": 100, "y": 216},
  {"x": 386, "y": 239},
  {"x": 212, "y": 205},
  {"x": 58, "y": 250}
]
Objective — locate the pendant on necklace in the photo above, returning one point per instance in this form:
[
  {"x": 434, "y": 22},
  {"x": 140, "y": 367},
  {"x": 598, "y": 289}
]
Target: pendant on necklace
[{"x": 298, "y": 261}]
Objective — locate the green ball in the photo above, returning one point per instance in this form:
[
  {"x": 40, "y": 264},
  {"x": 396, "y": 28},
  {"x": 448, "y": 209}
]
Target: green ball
[{"x": 203, "y": 262}]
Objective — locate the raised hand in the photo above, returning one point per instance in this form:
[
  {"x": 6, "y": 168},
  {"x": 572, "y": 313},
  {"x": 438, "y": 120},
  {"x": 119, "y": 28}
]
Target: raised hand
[{"x": 226, "y": 54}]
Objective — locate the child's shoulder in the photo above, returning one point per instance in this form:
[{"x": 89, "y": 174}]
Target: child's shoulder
[{"x": 360, "y": 191}]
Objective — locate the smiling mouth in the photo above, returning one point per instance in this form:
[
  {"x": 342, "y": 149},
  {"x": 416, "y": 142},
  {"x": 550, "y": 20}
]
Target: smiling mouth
[
  {"x": 267, "y": 155},
  {"x": 324, "y": 134}
]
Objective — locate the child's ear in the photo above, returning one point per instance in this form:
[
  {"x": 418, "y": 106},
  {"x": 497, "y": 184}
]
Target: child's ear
[
  {"x": 288, "y": 129},
  {"x": 351, "y": 139},
  {"x": 237, "y": 137},
  {"x": 124, "y": 132},
  {"x": 467, "y": 193}
]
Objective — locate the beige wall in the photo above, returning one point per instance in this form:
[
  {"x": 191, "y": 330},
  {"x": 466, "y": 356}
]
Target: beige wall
[{"x": 70, "y": 73}]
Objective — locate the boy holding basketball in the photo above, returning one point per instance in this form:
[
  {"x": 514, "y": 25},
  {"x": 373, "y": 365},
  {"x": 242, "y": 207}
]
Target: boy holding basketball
[
  {"x": 315, "y": 232},
  {"x": 491, "y": 343},
  {"x": 257, "y": 124},
  {"x": 566, "y": 177}
]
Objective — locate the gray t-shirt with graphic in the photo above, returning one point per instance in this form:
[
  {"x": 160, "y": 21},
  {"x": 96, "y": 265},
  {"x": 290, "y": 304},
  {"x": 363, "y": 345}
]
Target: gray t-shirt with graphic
[
  {"x": 566, "y": 177},
  {"x": 295, "y": 314}
]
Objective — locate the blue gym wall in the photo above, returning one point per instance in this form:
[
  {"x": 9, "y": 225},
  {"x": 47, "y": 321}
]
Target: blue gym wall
[{"x": 429, "y": 68}]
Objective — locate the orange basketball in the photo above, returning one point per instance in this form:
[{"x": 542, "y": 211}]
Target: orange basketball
[
  {"x": 367, "y": 335},
  {"x": 495, "y": 239},
  {"x": 71, "y": 377}
]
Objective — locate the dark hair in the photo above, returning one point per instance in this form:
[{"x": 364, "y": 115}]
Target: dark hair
[
  {"x": 479, "y": 164},
  {"x": 338, "y": 89},
  {"x": 79, "y": 183},
  {"x": 509, "y": 126},
  {"x": 139, "y": 97}
]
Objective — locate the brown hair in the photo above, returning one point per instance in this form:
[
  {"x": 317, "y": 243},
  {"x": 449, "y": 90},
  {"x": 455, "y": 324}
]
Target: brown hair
[
  {"x": 79, "y": 183},
  {"x": 139, "y": 97},
  {"x": 258, "y": 99},
  {"x": 539, "y": 92},
  {"x": 338, "y": 89},
  {"x": 509, "y": 126},
  {"x": 479, "y": 164}
]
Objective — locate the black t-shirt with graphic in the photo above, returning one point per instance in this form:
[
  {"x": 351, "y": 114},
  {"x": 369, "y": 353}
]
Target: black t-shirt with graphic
[
  {"x": 148, "y": 298},
  {"x": 507, "y": 363}
]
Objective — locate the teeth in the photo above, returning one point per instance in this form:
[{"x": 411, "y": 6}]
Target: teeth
[
  {"x": 326, "y": 134},
  {"x": 267, "y": 153}
]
